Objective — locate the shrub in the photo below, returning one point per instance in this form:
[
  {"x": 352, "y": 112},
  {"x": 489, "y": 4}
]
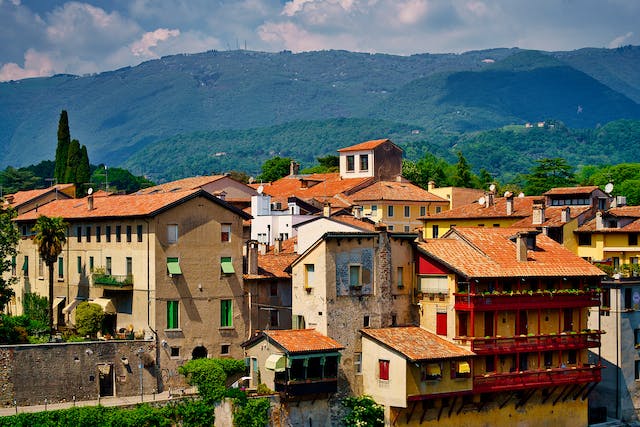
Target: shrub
[
  {"x": 364, "y": 411},
  {"x": 89, "y": 317},
  {"x": 253, "y": 413}
]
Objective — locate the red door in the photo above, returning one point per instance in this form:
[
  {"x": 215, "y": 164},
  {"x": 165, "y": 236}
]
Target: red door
[{"x": 441, "y": 323}]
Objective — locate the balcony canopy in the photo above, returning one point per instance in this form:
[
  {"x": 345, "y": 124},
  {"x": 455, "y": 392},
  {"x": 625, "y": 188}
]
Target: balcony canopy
[{"x": 276, "y": 362}]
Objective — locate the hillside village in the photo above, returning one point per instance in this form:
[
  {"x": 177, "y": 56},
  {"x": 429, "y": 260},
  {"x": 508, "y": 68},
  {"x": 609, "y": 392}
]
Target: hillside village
[{"x": 448, "y": 306}]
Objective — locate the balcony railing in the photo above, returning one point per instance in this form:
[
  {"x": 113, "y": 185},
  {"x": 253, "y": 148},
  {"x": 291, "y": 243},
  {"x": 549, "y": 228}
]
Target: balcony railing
[
  {"x": 513, "y": 381},
  {"x": 568, "y": 298},
  {"x": 119, "y": 281},
  {"x": 298, "y": 388},
  {"x": 562, "y": 341}
]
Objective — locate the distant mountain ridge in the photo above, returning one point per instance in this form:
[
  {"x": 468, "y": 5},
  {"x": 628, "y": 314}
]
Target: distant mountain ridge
[{"x": 119, "y": 113}]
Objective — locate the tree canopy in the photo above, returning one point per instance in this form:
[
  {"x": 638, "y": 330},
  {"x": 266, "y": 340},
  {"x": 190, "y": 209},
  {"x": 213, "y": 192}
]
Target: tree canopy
[
  {"x": 274, "y": 169},
  {"x": 548, "y": 174},
  {"x": 9, "y": 237}
]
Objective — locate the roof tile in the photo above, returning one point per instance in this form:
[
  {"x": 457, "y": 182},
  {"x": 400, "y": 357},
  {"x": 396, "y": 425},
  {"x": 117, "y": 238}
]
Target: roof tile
[{"x": 303, "y": 340}]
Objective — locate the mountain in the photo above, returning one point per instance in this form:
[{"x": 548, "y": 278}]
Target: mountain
[{"x": 120, "y": 113}]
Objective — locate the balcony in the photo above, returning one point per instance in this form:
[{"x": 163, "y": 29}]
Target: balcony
[
  {"x": 527, "y": 300},
  {"x": 533, "y": 343},
  {"x": 304, "y": 387},
  {"x": 513, "y": 381},
  {"x": 112, "y": 281}
]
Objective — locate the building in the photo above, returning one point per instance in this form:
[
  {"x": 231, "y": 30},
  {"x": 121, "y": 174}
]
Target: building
[
  {"x": 272, "y": 221},
  {"x": 166, "y": 266},
  {"x": 24, "y": 201},
  {"x": 520, "y": 302},
  {"x": 380, "y": 159},
  {"x": 457, "y": 196}
]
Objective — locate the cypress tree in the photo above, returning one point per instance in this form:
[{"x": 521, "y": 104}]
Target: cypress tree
[
  {"x": 62, "y": 150},
  {"x": 73, "y": 160},
  {"x": 83, "y": 171}
]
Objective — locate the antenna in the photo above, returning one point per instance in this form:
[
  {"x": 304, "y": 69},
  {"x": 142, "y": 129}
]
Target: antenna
[{"x": 608, "y": 188}]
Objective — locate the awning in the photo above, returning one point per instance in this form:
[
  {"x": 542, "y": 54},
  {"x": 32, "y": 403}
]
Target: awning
[
  {"x": 57, "y": 301},
  {"x": 227, "y": 265},
  {"x": 173, "y": 266},
  {"x": 433, "y": 369},
  {"x": 275, "y": 362},
  {"x": 72, "y": 305},
  {"x": 464, "y": 368},
  {"x": 106, "y": 304}
]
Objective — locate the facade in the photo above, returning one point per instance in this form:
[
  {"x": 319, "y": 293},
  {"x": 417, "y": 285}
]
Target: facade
[
  {"x": 272, "y": 221},
  {"x": 380, "y": 158},
  {"x": 457, "y": 196},
  {"x": 314, "y": 228},
  {"x": 24, "y": 201},
  {"x": 164, "y": 266}
]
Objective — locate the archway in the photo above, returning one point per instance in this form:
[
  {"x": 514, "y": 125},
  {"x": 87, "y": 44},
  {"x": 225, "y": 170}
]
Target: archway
[{"x": 199, "y": 352}]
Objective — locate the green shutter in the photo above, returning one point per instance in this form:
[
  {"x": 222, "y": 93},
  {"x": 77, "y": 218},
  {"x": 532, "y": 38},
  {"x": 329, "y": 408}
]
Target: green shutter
[
  {"x": 354, "y": 275},
  {"x": 227, "y": 265},
  {"x": 172, "y": 314},
  {"x": 60, "y": 267},
  {"x": 173, "y": 266},
  {"x": 25, "y": 265},
  {"x": 226, "y": 313}
]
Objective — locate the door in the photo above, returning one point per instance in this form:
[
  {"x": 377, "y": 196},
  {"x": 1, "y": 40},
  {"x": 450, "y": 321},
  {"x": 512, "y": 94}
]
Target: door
[
  {"x": 523, "y": 326},
  {"x": 441, "y": 323},
  {"x": 488, "y": 323},
  {"x": 105, "y": 374}
]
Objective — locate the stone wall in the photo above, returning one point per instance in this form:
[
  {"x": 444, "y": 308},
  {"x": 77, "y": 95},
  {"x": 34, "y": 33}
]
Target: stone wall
[{"x": 58, "y": 372}]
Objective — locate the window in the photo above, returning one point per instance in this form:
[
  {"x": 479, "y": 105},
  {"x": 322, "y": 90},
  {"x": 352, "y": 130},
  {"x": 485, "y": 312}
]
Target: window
[
  {"x": 139, "y": 232},
  {"x": 173, "y": 266},
  {"x": 226, "y": 313},
  {"x": 390, "y": 228},
  {"x": 636, "y": 337},
  {"x": 108, "y": 265},
  {"x": 273, "y": 289},
  {"x": 366, "y": 321},
  {"x": 88, "y": 234},
  {"x": 357, "y": 363},
  {"x": 175, "y": 351},
  {"x": 423, "y": 210},
  {"x": 274, "y": 318},
  {"x": 40, "y": 267},
  {"x": 490, "y": 364},
  {"x": 548, "y": 359},
  {"x": 633, "y": 239},
  {"x": 60, "y": 268},
  {"x": 406, "y": 229},
  {"x": 129, "y": 262},
  {"x": 98, "y": 233},
  {"x": 355, "y": 276},
  {"x": 496, "y": 225},
  {"x": 364, "y": 162},
  {"x": 79, "y": 234},
  {"x": 431, "y": 372},
  {"x": 435, "y": 232},
  {"x": 172, "y": 315},
  {"x": 351, "y": 164},
  {"x": 572, "y": 357},
  {"x": 383, "y": 370},
  {"x": 225, "y": 232},
  {"x": 224, "y": 349},
  {"x": 637, "y": 374},
  {"x": 128, "y": 234},
  {"x": 298, "y": 322},
  {"x": 438, "y": 209},
  {"x": 460, "y": 369},
  {"x": 390, "y": 210},
  {"x": 407, "y": 211},
  {"x": 13, "y": 265},
  {"x": 584, "y": 239},
  {"x": 91, "y": 264},
  {"x": 374, "y": 210},
  {"x": 226, "y": 265},
  {"x": 79, "y": 265},
  {"x": 118, "y": 233},
  {"x": 309, "y": 272},
  {"x": 25, "y": 266},
  {"x": 441, "y": 323},
  {"x": 400, "y": 277},
  {"x": 107, "y": 233},
  {"x": 172, "y": 233}
]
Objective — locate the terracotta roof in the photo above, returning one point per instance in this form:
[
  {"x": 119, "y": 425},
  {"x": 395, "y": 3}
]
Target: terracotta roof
[
  {"x": 416, "y": 344},
  {"x": 362, "y": 223},
  {"x": 590, "y": 226},
  {"x": 490, "y": 252},
  {"x": 325, "y": 186},
  {"x": 625, "y": 211},
  {"x": 119, "y": 206},
  {"x": 522, "y": 207},
  {"x": 395, "y": 191},
  {"x": 272, "y": 265},
  {"x": 571, "y": 190},
  {"x": 22, "y": 197},
  {"x": 553, "y": 216},
  {"x": 184, "y": 184},
  {"x": 367, "y": 145},
  {"x": 303, "y": 340}
]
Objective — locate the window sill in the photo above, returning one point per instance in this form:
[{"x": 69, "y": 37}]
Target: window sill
[
  {"x": 226, "y": 328},
  {"x": 60, "y": 279},
  {"x": 173, "y": 330}
]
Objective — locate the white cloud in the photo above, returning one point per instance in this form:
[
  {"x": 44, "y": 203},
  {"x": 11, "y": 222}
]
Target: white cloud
[
  {"x": 36, "y": 64},
  {"x": 150, "y": 40},
  {"x": 412, "y": 11},
  {"x": 620, "y": 40}
]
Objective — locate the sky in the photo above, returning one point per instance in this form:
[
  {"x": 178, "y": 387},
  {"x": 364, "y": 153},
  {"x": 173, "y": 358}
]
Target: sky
[{"x": 46, "y": 37}]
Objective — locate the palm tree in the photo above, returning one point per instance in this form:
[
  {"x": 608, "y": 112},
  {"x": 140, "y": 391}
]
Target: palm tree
[{"x": 51, "y": 235}]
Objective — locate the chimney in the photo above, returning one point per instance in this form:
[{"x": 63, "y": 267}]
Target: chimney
[
  {"x": 262, "y": 248},
  {"x": 90, "y": 202},
  {"x": 277, "y": 245},
  {"x": 509, "y": 196},
  {"x": 252, "y": 257},
  {"x": 565, "y": 216},
  {"x": 538, "y": 212},
  {"x": 431, "y": 185},
  {"x": 521, "y": 248},
  {"x": 599, "y": 222},
  {"x": 294, "y": 168},
  {"x": 326, "y": 210}
]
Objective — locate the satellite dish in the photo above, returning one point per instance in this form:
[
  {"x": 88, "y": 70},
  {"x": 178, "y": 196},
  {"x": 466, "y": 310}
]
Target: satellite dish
[
  {"x": 608, "y": 188},
  {"x": 492, "y": 187},
  {"x": 90, "y": 191},
  {"x": 260, "y": 189},
  {"x": 481, "y": 200},
  {"x": 508, "y": 194},
  {"x": 521, "y": 195}
]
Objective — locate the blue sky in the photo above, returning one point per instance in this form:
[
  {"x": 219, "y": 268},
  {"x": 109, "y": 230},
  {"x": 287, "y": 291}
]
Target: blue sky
[{"x": 45, "y": 37}]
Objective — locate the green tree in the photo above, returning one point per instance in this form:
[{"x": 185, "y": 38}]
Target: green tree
[
  {"x": 89, "y": 317},
  {"x": 274, "y": 169},
  {"x": 428, "y": 168},
  {"x": 13, "y": 180},
  {"x": 51, "y": 235},
  {"x": 9, "y": 237},
  {"x": 36, "y": 308},
  {"x": 119, "y": 179},
  {"x": 548, "y": 174},
  {"x": 463, "y": 177},
  {"x": 363, "y": 411},
  {"x": 62, "y": 149},
  {"x": 83, "y": 170},
  {"x": 73, "y": 160},
  {"x": 631, "y": 190}
]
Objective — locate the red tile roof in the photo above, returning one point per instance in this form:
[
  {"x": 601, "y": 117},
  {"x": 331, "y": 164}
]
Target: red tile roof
[
  {"x": 553, "y": 216},
  {"x": 522, "y": 207},
  {"x": 184, "y": 184},
  {"x": 625, "y": 211},
  {"x": 490, "y": 252},
  {"x": 590, "y": 226},
  {"x": 367, "y": 145},
  {"x": 325, "y": 186},
  {"x": 362, "y": 223},
  {"x": 303, "y": 340},
  {"x": 22, "y": 197},
  {"x": 416, "y": 344},
  {"x": 272, "y": 265},
  {"x": 119, "y": 206},
  {"x": 571, "y": 190},
  {"x": 395, "y": 191}
]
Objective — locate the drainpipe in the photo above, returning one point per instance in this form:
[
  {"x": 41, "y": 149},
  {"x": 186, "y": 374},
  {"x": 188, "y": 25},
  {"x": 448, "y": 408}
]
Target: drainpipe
[{"x": 155, "y": 334}]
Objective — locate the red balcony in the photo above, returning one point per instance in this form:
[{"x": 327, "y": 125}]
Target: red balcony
[
  {"x": 527, "y": 301},
  {"x": 534, "y": 343},
  {"x": 513, "y": 381}
]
